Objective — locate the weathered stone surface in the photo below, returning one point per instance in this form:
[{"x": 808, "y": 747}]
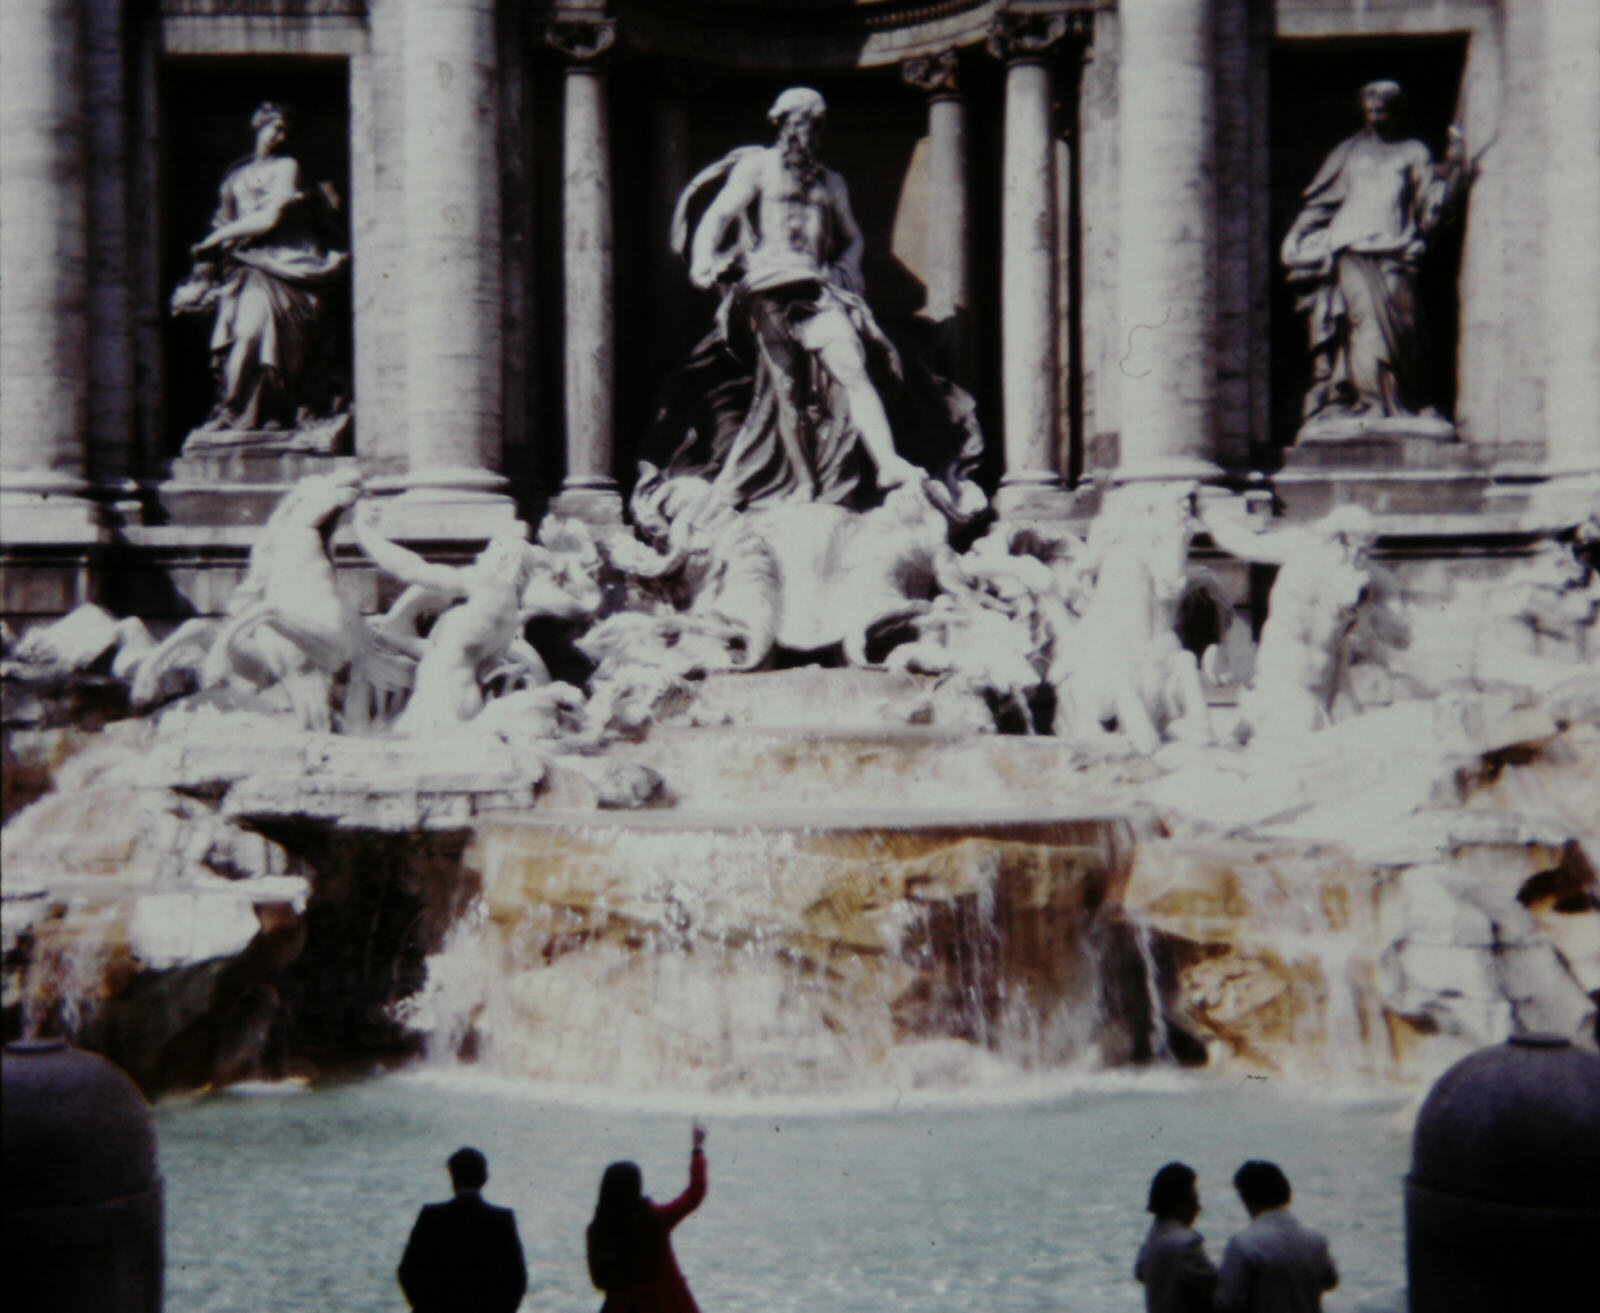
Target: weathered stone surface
[
  {"x": 218, "y": 893},
  {"x": 772, "y": 956},
  {"x": 1368, "y": 939},
  {"x": 180, "y": 929}
]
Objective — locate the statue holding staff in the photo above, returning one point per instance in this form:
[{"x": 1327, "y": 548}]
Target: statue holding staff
[{"x": 1352, "y": 255}]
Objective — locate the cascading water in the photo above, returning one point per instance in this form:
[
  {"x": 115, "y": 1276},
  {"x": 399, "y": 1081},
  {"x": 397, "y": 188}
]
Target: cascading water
[
  {"x": 1143, "y": 940},
  {"x": 775, "y": 954},
  {"x": 1278, "y": 955},
  {"x": 62, "y": 985}
]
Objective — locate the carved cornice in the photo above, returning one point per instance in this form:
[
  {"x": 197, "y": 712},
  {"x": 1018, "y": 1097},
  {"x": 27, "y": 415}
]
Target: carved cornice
[
  {"x": 582, "y": 40},
  {"x": 934, "y": 74},
  {"x": 1032, "y": 34},
  {"x": 262, "y": 8},
  {"x": 787, "y": 37}
]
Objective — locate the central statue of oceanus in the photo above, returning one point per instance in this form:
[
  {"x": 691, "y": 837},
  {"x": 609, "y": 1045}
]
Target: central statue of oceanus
[{"x": 797, "y": 394}]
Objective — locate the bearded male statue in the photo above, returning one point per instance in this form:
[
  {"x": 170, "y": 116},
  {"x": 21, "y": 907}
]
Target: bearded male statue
[{"x": 797, "y": 394}]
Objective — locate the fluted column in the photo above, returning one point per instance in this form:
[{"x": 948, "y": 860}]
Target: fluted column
[
  {"x": 1031, "y": 386},
  {"x": 454, "y": 349},
  {"x": 1571, "y": 76},
  {"x": 1167, "y": 299},
  {"x": 948, "y": 268},
  {"x": 44, "y": 273},
  {"x": 589, "y": 489}
]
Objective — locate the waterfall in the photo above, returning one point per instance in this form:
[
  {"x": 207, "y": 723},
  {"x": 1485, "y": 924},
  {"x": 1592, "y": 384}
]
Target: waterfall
[
  {"x": 1143, "y": 932},
  {"x": 783, "y": 956},
  {"x": 62, "y": 986}
]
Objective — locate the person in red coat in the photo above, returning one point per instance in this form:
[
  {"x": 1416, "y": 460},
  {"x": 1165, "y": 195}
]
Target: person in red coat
[{"x": 629, "y": 1241}]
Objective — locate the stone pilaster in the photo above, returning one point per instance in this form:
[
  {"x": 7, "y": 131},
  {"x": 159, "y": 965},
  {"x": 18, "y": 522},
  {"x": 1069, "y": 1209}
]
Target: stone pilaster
[
  {"x": 454, "y": 485},
  {"x": 113, "y": 409},
  {"x": 44, "y": 270},
  {"x": 1029, "y": 43},
  {"x": 1571, "y": 76},
  {"x": 589, "y": 489},
  {"x": 1167, "y": 296},
  {"x": 949, "y": 266}
]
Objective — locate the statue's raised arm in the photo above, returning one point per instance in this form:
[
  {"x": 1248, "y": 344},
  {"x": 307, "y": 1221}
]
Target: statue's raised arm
[{"x": 707, "y": 259}]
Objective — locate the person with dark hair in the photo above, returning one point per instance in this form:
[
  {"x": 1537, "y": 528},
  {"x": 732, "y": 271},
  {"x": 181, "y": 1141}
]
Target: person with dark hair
[
  {"x": 1275, "y": 1265},
  {"x": 1177, "y": 1275},
  {"x": 464, "y": 1254},
  {"x": 629, "y": 1241}
]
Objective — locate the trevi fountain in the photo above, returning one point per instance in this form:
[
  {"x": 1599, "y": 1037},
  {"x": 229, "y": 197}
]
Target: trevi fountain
[{"x": 959, "y": 867}]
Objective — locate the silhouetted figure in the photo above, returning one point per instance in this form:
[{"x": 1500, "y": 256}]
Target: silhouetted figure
[
  {"x": 464, "y": 1256},
  {"x": 629, "y": 1241},
  {"x": 1275, "y": 1265},
  {"x": 1178, "y": 1277}
]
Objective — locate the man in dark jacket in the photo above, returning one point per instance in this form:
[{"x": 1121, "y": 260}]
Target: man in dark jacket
[{"x": 464, "y": 1254}]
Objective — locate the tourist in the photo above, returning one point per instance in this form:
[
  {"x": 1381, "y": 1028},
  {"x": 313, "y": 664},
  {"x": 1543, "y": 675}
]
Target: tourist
[
  {"x": 1275, "y": 1265},
  {"x": 1178, "y": 1276},
  {"x": 464, "y": 1254},
  {"x": 629, "y": 1241}
]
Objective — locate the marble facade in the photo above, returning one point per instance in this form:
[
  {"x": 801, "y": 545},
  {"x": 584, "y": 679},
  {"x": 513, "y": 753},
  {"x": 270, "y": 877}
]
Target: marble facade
[{"x": 1065, "y": 205}]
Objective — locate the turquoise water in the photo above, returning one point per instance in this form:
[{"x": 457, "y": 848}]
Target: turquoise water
[{"x": 285, "y": 1199}]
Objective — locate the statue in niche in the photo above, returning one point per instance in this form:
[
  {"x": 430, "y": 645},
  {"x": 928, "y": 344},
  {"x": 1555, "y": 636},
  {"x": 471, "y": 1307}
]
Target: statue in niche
[
  {"x": 1330, "y": 609},
  {"x": 797, "y": 394},
  {"x": 1352, "y": 256},
  {"x": 265, "y": 271}
]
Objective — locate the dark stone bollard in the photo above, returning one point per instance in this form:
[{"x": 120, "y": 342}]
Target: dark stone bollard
[
  {"x": 83, "y": 1198},
  {"x": 1503, "y": 1200}
]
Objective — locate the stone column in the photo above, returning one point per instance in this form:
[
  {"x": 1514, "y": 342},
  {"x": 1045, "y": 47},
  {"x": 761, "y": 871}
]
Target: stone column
[
  {"x": 589, "y": 490},
  {"x": 949, "y": 268},
  {"x": 454, "y": 391},
  {"x": 113, "y": 395},
  {"x": 1571, "y": 76},
  {"x": 1167, "y": 299},
  {"x": 44, "y": 273},
  {"x": 1032, "y": 483}
]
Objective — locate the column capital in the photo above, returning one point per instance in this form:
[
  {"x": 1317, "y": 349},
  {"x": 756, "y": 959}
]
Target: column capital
[
  {"x": 582, "y": 40},
  {"x": 1024, "y": 35},
  {"x": 933, "y": 74}
]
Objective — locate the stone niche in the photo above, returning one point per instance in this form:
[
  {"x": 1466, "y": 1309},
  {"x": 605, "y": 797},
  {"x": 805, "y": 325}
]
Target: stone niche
[
  {"x": 1314, "y": 106},
  {"x": 206, "y": 108},
  {"x": 671, "y": 118}
]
